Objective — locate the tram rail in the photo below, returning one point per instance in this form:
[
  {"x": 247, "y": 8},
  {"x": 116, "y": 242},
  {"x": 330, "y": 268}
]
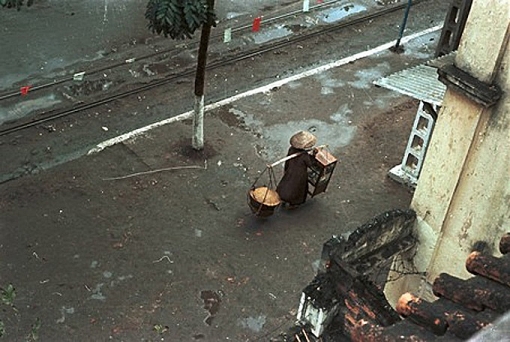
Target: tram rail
[{"x": 50, "y": 115}]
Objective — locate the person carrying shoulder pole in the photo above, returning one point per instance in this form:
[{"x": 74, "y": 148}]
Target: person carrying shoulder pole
[{"x": 293, "y": 187}]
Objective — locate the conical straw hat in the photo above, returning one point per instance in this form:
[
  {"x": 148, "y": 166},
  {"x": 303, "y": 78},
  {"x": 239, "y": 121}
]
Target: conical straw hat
[{"x": 303, "y": 140}]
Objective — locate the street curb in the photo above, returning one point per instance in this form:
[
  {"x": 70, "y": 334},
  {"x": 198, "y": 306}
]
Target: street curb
[{"x": 187, "y": 115}]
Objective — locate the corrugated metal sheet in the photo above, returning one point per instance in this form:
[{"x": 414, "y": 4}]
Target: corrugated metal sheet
[
  {"x": 443, "y": 60},
  {"x": 419, "y": 82}
]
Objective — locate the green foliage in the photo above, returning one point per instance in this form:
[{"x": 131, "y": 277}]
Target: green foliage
[
  {"x": 160, "y": 329},
  {"x": 178, "y": 19},
  {"x": 15, "y": 3},
  {"x": 33, "y": 335},
  {"x": 8, "y": 295}
]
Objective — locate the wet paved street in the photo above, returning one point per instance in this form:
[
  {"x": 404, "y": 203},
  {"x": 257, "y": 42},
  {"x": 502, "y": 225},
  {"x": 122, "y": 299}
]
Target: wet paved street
[
  {"x": 149, "y": 240},
  {"x": 51, "y": 144},
  {"x": 65, "y": 35}
]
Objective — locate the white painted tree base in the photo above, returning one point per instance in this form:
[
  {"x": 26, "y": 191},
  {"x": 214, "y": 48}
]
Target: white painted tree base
[{"x": 198, "y": 124}]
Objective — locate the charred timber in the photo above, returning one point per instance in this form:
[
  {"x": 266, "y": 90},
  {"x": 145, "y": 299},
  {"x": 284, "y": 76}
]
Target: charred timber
[
  {"x": 403, "y": 331},
  {"x": 463, "y": 322},
  {"x": 476, "y": 293},
  {"x": 422, "y": 313},
  {"x": 359, "y": 306},
  {"x": 487, "y": 316},
  {"x": 504, "y": 244},
  {"x": 360, "y": 299},
  {"x": 441, "y": 316},
  {"x": 383, "y": 255},
  {"x": 459, "y": 80},
  {"x": 488, "y": 266},
  {"x": 362, "y": 293},
  {"x": 383, "y": 230},
  {"x": 463, "y": 326}
]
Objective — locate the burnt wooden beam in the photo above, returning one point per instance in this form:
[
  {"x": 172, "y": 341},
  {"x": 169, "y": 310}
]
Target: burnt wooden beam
[
  {"x": 464, "y": 326},
  {"x": 476, "y": 293},
  {"x": 440, "y": 317},
  {"x": 463, "y": 322},
  {"x": 487, "y": 316},
  {"x": 471, "y": 87},
  {"x": 360, "y": 299},
  {"x": 504, "y": 244},
  {"x": 454, "y": 289},
  {"x": 382, "y": 230},
  {"x": 403, "y": 331},
  {"x": 342, "y": 274},
  {"x": 365, "y": 294},
  {"x": 383, "y": 255},
  {"x": 488, "y": 266},
  {"x": 359, "y": 306},
  {"x": 422, "y": 313},
  {"x": 374, "y": 303}
]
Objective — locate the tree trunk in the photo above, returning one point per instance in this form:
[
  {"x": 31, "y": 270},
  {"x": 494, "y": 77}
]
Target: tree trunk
[
  {"x": 198, "y": 123},
  {"x": 198, "y": 117}
]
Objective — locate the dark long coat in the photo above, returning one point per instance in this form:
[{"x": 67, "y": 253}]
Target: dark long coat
[{"x": 293, "y": 187}]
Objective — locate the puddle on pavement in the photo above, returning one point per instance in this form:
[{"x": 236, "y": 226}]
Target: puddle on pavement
[
  {"x": 337, "y": 134},
  {"x": 294, "y": 85},
  {"x": 232, "y": 15},
  {"x": 270, "y": 34},
  {"x": 328, "y": 83},
  {"x": 253, "y": 323},
  {"x": 366, "y": 77},
  {"x": 96, "y": 292},
  {"x": 248, "y": 119},
  {"x": 421, "y": 47},
  {"x": 64, "y": 312},
  {"x": 381, "y": 102},
  {"x": 337, "y": 13},
  {"x": 212, "y": 302},
  {"x": 24, "y": 108},
  {"x": 52, "y": 68},
  {"x": 238, "y": 119}
]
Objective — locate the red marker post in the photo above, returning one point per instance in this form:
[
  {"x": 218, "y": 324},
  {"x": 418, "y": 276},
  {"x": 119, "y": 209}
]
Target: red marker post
[
  {"x": 24, "y": 90},
  {"x": 256, "y": 24}
]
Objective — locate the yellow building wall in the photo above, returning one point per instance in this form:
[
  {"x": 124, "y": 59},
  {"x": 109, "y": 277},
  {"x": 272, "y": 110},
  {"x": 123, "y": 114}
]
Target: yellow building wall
[{"x": 463, "y": 193}]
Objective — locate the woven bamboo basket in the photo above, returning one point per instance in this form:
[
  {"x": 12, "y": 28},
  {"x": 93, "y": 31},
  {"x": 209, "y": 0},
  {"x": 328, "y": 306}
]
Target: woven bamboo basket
[{"x": 263, "y": 201}]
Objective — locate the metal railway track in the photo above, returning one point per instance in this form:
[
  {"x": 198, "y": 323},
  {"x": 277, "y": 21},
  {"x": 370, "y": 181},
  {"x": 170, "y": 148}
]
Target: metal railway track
[
  {"x": 192, "y": 44},
  {"x": 211, "y": 66}
]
